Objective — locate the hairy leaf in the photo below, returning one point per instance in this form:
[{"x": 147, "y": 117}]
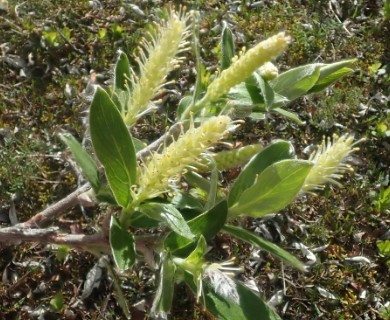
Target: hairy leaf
[
  {"x": 329, "y": 73},
  {"x": 296, "y": 82},
  {"x": 275, "y": 152}
]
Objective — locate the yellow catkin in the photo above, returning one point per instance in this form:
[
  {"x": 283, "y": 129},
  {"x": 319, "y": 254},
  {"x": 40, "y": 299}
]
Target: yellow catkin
[
  {"x": 156, "y": 60},
  {"x": 268, "y": 71},
  {"x": 162, "y": 168},
  {"x": 248, "y": 63},
  {"x": 329, "y": 162}
]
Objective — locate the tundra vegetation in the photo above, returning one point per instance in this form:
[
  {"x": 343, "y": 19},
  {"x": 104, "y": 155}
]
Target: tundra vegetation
[{"x": 222, "y": 160}]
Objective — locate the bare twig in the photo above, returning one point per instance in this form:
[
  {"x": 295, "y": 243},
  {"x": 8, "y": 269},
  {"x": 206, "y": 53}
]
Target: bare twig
[
  {"x": 54, "y": 236},
  {"x": 54, "y": 210},
  {"x": 95, "y": 242},
  {"x": 166, "y": 138}
]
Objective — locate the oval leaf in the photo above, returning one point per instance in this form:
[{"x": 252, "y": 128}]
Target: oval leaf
[
  {"x": 264, "y": 245},
  {"x": 275, "y": 188},
  {"x": 296, "y": 82},
  {"x": 84, "y": 160},
  {"x": 170, "y": 215},
  {"x": 113, "y": 146},
  {"x": 275, "y": 152},
  {"x": 122, "y": 245},
  {"x": 329, "y": 73}
]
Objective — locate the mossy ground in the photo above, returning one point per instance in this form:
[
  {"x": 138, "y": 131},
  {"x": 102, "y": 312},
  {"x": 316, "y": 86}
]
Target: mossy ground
[{"x": 47, "y": 46}]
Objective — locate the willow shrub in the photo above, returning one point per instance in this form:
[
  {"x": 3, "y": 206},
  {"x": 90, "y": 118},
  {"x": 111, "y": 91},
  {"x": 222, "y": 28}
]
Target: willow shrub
[{"x": 156, "y": 191}]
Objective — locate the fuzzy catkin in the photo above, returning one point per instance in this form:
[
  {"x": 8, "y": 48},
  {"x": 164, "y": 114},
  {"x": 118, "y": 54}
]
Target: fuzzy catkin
[
  {"x": 329, "y": 162},
  {"x": 268, "y": 71},
  {"x": 156, "y": 60},
  {"x": 163, "y": 168},
  {"x": 248, "y": 63}
]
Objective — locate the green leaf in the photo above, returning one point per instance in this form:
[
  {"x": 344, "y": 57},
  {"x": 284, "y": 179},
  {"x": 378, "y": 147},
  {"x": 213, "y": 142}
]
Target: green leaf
[
  {"x": 329, "y": 73},
  {"x": 84, "y": 160},
  {"x": 384, "y": 248},
  {"x": 113, "y": 146},
  {"x": 227, "y": 47},
  {"x": 254, "y": 91},
  {"x": 264, "y": 245},
  {"x": 249, "y": 306},
  {"x": 267, "y": 92},
  {"x": 122, "y": 245},
  {"x": 278, "y": 101},
  {"x": 274, "y": 189},
  {"x": 257, "y": 116},
  {"x": 196, "y": 180},
  {"x": 57, "y": 302},
  {"x": 200, "y": 68},
  {"x": 185, "y": 102},
  {"x": 194, "y": 264},
  {"x": 233, "y": 302},
  {"x": 207, "y": 224},
  {"x": 170, "y": 215},
  {"x": 138, "y": 144},
  {"x": 296, "y": 82},
  {"x": 122, "y": 72},
  {"x": 61, "y": 252},
  {"x": 120, "y": 93},
  {"x": 244, "y": 98},
  {"x": 163, "y": 299},
  {"x": 185, "y": 201},
  {"x": 196, "y": 257},
  {"x": 212, "y": 198},
  {"x": 290, "y": 115},
  {"x": 275, "y": 152},
  {"x": 105, "y": 194},
  {"x": 141, "y": 220}
]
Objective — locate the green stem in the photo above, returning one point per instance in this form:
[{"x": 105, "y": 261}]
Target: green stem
[
  {"x": 118, "y": 290},
  {"x": 126, "y": 214},
  {"x": 194, "y": 108}
]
